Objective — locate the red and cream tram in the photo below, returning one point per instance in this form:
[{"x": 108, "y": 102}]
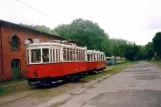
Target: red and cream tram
[
  {"x": 52, "y": 61},
  {"x": 96, "y": 61}
]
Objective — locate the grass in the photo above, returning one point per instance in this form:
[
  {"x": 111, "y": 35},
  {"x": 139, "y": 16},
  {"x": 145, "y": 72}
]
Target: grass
[
  {"x": 156, "y": 62},
  {"x": 13, "y": 86},
  {"x": 54, "y": 91},
  {"x": 110, "y": 70},
  {"x": 3, "y": 91}
]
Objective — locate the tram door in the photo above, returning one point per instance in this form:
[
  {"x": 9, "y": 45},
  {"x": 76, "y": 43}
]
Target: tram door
[{"x": 15, "y": 68}]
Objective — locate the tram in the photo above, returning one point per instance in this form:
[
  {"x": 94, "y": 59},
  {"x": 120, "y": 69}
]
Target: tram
[{"x": 54, "y": 61}]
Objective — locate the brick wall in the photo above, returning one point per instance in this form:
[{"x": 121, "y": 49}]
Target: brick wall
[
  {"x": 8, "y": 55},
  {"x": 0, "y": 53}
]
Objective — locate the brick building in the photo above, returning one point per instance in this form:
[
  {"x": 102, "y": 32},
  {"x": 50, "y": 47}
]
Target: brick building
[{"x": 13, "y": 50}]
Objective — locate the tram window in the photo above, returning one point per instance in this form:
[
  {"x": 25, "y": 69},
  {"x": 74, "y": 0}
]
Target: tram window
[
  {"x": 59, "y": 55},
  {"x": 108, "y": 59},
  {"x": 83, "y": 55},
  {"x": 45, "y": 55},
  {"x": 71, "y": 54},
  {"x": 64, "y": 54},
  {"x": 27, "y": 55},
  {"x": 74, "y": 55},
  {"x": 77, "y": 55},
  {"x": 53, "y": 55},
  {"x": 35, "y": 55},
  {"x": 93, "y": 57},
  {"x": 102, "y": 57},
  {"x": 80, "y": 55},
  {"x": 99, "y": 57},
  {"x": 88, "y": 57},
  {"x": 68, "y": 56},
  {"x": 56, "y": 53}
]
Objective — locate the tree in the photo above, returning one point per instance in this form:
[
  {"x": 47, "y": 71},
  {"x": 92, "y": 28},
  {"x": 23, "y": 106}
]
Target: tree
[
  {"x": 86, "y": 33},
  {"x": 118, "y": 46},
  {"x": 157, "y": 44},
  {"x": 41, "y": 28},
  {"x": 150, "y": 50},
  {"x": 129, "y": 52}
]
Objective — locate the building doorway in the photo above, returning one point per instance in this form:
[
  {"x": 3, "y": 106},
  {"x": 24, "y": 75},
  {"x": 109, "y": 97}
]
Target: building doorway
[{"x": 15, "y": 64}]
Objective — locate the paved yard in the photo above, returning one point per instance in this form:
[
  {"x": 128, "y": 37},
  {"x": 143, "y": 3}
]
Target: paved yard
[{"x": 137, "y": 86}]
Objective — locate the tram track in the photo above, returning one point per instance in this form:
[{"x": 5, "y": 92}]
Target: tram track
[{"x": 36, "y": 92}]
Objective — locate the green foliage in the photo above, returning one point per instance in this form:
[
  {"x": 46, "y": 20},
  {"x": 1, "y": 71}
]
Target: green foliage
[
  {"x": 41, "y": 28},
  {"x": 157, "y": 43},
  {"x": 156, "y": 62},
  {"x": 118, "y": 46},
  {"x": 129, "y": 52},
  {"x": 142, "y": 54},
  {"x": 150, "y": 50},
  {"x": 86, "y": 33}
]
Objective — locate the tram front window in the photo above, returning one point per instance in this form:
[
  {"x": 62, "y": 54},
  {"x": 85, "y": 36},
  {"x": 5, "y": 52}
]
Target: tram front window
[
  {"x": 35, "y": 55},
  {"x": 45, "y": 55},
  {"x": 108, "y": 59}
]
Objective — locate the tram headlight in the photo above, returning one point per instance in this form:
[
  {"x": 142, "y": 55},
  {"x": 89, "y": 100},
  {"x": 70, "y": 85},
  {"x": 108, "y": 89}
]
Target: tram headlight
[{"x": 35, "y": 73}]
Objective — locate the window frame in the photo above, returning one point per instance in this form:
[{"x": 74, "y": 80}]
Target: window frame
[
  {"x": 15, "y": 43},
  {"x": 30, "y": 56}
]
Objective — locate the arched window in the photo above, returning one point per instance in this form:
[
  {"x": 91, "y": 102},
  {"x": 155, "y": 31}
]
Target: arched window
[{"x": 15, "y": 43}]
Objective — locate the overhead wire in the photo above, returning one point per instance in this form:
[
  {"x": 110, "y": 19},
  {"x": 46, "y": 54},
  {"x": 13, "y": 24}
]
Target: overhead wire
[{"x": 39, "y": 11}]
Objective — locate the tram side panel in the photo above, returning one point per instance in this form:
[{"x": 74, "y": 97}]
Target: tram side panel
[
  {"x": 101, "y": 65},
  {"x": 91, "y": 66},
  {"x": 45, "y": 70},
  {"x": 74, "y": 67}
]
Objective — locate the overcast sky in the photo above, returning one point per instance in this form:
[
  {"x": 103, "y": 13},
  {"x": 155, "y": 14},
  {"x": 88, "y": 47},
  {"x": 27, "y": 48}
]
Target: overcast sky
[{"x": 134, "y": 20}]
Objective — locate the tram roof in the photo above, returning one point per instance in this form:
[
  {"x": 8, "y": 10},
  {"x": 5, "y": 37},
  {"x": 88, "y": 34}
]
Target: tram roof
[
  {"x": 51, "y": 44},
  {"x": 108, "y": 57},
  {"x": 94, "y": 51}
]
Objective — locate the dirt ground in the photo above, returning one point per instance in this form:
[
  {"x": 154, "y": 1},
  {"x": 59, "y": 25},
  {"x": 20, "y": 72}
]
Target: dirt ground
[{"x": 136, "y": 86}]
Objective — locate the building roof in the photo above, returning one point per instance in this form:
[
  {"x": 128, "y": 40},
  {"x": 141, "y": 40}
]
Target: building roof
[{"x": 2, "y": 22}]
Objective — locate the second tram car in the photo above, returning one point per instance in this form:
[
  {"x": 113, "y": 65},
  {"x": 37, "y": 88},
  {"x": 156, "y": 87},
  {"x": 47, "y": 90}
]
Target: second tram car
[
  {"x": 53, "y": 61},
  {"x": 96, "y": 61}
]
